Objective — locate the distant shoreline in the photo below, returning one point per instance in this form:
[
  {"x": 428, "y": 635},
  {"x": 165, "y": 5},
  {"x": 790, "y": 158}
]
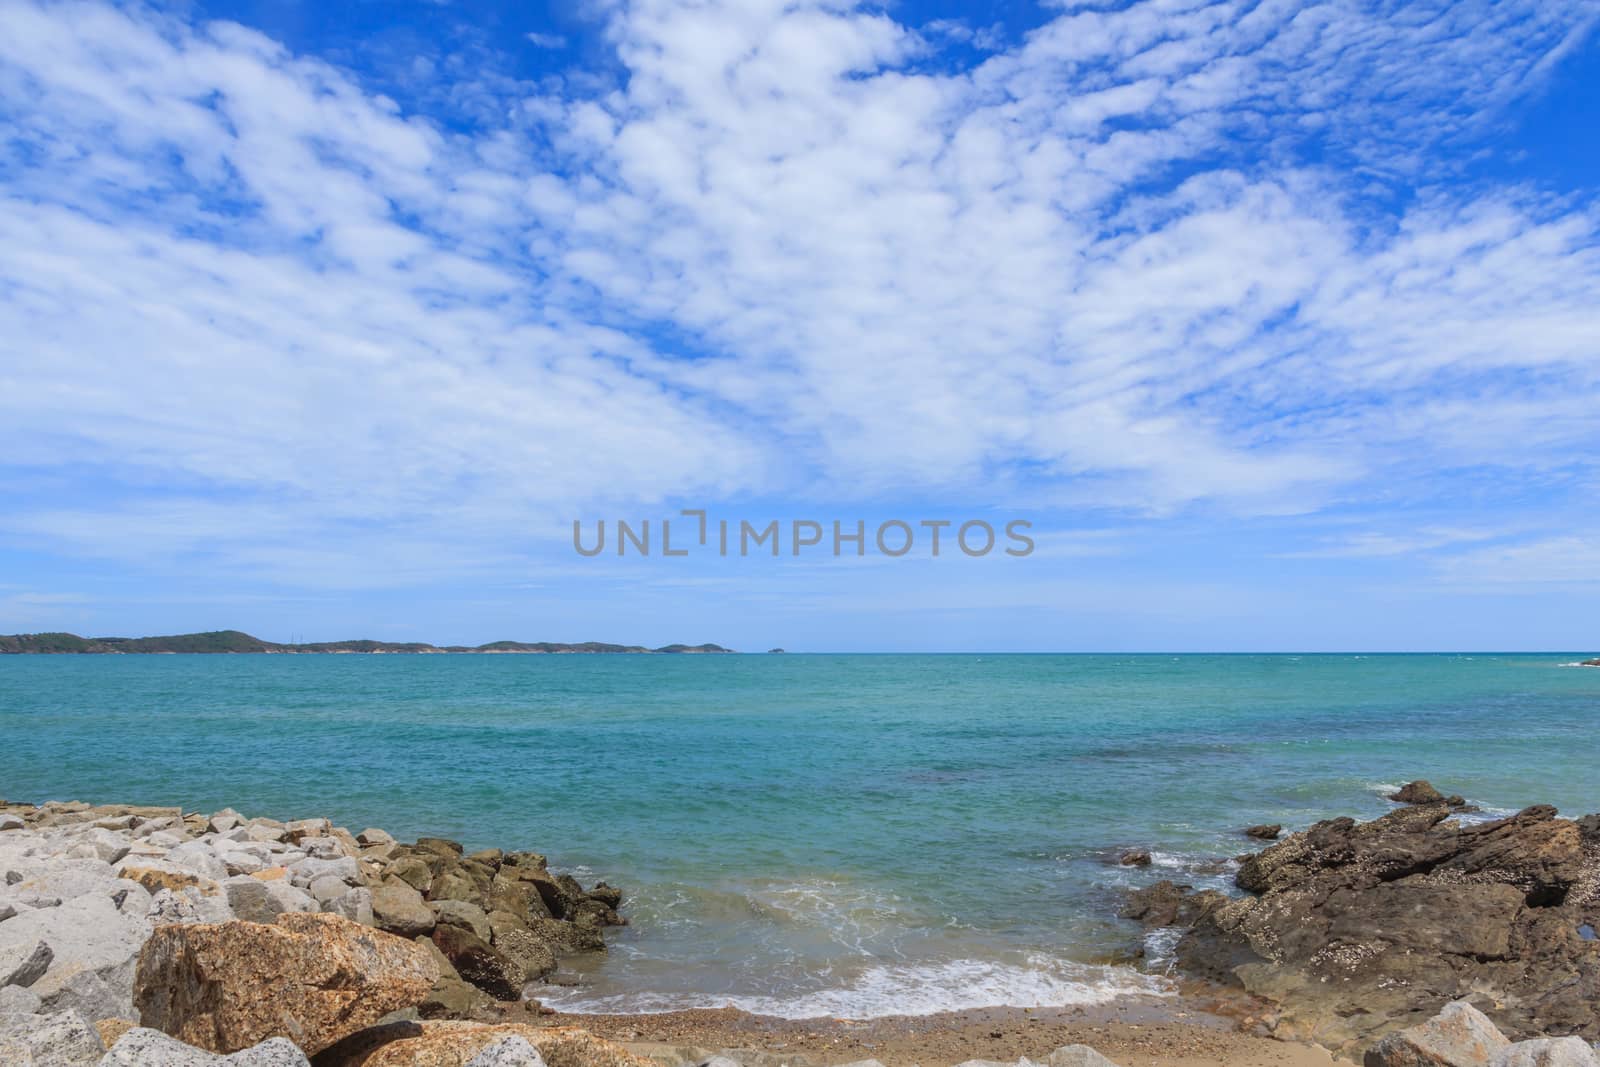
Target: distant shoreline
[{"x": 236, "y": 642}]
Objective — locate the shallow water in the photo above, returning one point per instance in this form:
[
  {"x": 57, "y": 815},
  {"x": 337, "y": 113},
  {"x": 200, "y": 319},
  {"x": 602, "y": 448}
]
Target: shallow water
[{"x": 850, "y": 835}]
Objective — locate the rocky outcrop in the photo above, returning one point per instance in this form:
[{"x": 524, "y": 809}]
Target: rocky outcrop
[
  {"x": 1357, "y": 929},
  {"x": 313, "y": 978},
  {"x": 58, "y": 1039},
  {"x": 84, "y": 887}
]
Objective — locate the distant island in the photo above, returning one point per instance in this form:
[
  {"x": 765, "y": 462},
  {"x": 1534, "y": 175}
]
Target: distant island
[{"x": 236, "y": 641}]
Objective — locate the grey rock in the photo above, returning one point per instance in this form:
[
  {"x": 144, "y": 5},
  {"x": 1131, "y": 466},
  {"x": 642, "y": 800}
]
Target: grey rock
[
  {"x": 305, "y": 871},
  {"x": 354, "y": 904},
  {"x": 1547, "y": 1052},
  {"x": 399, "y": 909},
  {"x": 1459, "y": 1036},
  {"x": 1077, "y": 1056},
  {"x": 326, "y": 888},
  {"x": 30, "y": 968},
  {"x": 108, "y": 845},
  {"x": 60, "y": 1039},
  {"x": 7, "y": 911},
  {"x": 95, "y": 946},
  {"x": 11, "y": 822},
  {"x": 198, "y": 858},
  {"x": 512, "y": 1051},
  {"x": 461, "y": 913},
  {"x": 15, "y": 1000},
  {"x": 262, "y": 902}
]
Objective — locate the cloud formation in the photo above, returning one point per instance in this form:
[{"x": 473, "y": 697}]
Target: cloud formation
[{"x": 1149, "y": 258}]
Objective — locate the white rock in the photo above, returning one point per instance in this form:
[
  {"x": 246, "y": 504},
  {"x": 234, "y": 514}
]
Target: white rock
[
  {"x": 164, "y": 839},
  {"x": 512, "y": 1051},
  {"x": 11, "y": 822},
  {"x": 153, "y": 826},
  {"x": 196, "y": 857},
  {"x": 95, "y": 946},
  {"x": 1459, "y": 1034},
  {"x": 303, "y": 872},
  {"x": 16, "y": 1000},
  {"x": 353, "y": 904},
  {"x": 257, "y": 831},
  {"x": 141, "y": 1047},
  {"x": 59, "y": 1039},
  {"x": 224, "y": 820},
  {"x": 1547, "y": 1052},
  {"x": 326, "y": 888},
  {"x": 242, "y": 862},
  {"x": 371, "y": 836}
]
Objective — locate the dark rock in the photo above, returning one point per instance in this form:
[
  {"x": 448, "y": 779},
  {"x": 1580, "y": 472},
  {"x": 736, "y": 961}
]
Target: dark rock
[
  {"x": 1135, "y": 858},
  {"x": 1358, "y": 929},
  {"x": 441, "y": 845},
  {"x": 479, "y": 962},
  {"x": 1419, "y": 792},
  {"x": 1264, "y": 831}
]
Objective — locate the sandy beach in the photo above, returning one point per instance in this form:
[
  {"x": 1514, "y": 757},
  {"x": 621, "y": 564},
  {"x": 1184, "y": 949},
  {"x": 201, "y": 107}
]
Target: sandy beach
[{"x": 1176, "y": 1034}]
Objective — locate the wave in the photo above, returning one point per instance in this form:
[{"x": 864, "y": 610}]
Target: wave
[{"x": 902, "y": 989}]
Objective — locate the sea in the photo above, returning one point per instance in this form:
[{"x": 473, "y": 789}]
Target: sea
[{"x": 803, "y": 835}]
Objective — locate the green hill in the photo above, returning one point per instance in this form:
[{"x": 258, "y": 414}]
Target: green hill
[{"x": 236, "y": 641}]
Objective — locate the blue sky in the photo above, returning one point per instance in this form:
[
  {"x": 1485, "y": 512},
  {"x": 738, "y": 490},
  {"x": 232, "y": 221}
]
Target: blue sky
[{"x": 1280, "y": 322}]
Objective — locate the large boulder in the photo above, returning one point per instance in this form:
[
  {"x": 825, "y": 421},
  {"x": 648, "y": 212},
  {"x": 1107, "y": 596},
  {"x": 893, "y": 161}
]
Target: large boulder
[
  {"x": 480, "y": 963},
  {"x": 1459, "y": 1036},
  {"x": 310, "y": 977},
  {"x": 400, "y": 909}
]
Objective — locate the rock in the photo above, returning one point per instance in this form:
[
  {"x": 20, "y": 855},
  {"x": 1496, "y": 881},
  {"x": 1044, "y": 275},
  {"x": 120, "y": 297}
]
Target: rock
[
  {"x": 1135, "y": 858},
  {"x": 414, "y": 872},
  {"x": 1547, "y": 1052},
  {"x": 455, "y": 998},
  {"x": 29, "y": 969},
  {"x": 1418, "y": 792},
  {"x": 441, "y": 845},
  {"x": 372, "y": 836},
  {"x": 111, "y": 1030},
  {"x": 7, "y": 911},
  {"x": 11, "y": 822},
  {"x": 519, "y": 945},
  {"x": 564, "y": 937},
  {"x": 1459, "y": 1036},
  {"x": 462, "y": 914},
  {"x": 400, "y": 909},
  {"x": 1357, "y": 929},
  {"x": 142, "y": 1047},
  {"x": 263, "y": 900},
  {"x": 1077, "y": 1056},
  {"x": 312, "y": 978},
  {"x": 15, "y": 1000},
  {"x": 93, "y": 944},
  {"x": 480, "y": 963},
  {"x": 1264, "y": 831},
  {"x": 454, "y": 1044},
  {"x": 353, "y": 904},
  {"x": 510, "y": 1051},
  {"x": 59, "y": 1039},
  {"x": 611, "y": 896}
]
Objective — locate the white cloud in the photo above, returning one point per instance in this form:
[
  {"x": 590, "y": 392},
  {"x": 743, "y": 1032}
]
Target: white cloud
[
  {"x": 780, "y": 259},
  {"x": 546, "y": 40}
]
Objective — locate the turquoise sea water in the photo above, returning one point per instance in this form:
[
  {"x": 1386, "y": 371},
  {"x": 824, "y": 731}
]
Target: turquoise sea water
[{"x": 802, "y": 834}]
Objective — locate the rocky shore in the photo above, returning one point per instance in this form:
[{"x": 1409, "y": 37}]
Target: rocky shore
[
  {"x": 1348, "y": 931},
  {"x": 126, "y": 927},
  {"x": 153, "y": 937}
]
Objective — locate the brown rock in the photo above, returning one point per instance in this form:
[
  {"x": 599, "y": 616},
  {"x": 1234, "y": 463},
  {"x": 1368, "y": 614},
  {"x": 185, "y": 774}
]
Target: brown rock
[
  {"x": 1419, "y": 792},
  {"x": 535, "y": 957},
  {"x": 1264, "y": 831},
  {"x": 411, "y": 870},
  {"x": 313, "y": 978},
  {"x": 155, "y": 879},
  {"x": 112, "y": 1029},
  {"x": 1135, "y": 858},
  {"x": 1459, "y": 1036},
  {"x": 480, "y": 963},
  {"x": 400, "y": 909}
]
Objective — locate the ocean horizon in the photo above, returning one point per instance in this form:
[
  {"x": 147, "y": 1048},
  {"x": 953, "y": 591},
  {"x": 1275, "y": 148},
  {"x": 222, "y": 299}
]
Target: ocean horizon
[{"x": 812, "y": 834}]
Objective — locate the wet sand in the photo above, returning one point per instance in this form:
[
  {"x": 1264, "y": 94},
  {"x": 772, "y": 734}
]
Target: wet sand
[{"x": 1166, "y": 1032}]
